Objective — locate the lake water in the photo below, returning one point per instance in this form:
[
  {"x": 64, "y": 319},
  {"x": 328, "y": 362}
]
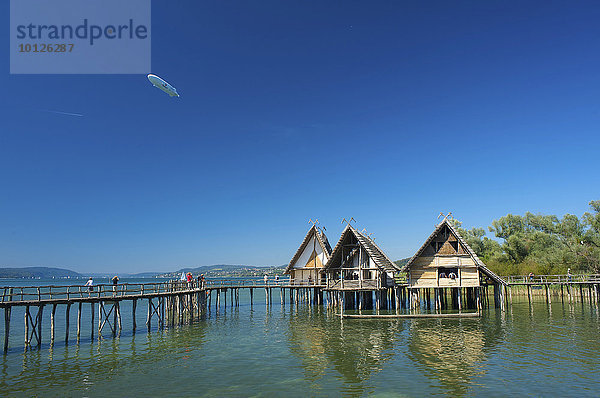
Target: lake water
[{"x": 297, "y": 351}]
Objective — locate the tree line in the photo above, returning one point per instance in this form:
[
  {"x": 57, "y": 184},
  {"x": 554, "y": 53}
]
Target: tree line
[{"x": 539, "y": 243}]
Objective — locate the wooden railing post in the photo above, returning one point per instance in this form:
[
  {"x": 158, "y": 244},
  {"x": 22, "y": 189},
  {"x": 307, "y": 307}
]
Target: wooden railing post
[{"x": 7, "y": 311}]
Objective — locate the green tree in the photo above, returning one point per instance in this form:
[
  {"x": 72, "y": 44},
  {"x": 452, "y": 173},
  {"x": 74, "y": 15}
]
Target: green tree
[{"x": 539, "y": 243}]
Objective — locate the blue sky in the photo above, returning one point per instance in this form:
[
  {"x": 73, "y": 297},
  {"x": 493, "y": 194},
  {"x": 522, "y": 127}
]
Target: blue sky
[{"x": 386, "y": 111}]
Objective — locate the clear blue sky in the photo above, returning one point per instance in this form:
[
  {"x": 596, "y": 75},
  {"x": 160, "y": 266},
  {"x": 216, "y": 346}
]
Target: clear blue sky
[{"x": 385, "y": 111}]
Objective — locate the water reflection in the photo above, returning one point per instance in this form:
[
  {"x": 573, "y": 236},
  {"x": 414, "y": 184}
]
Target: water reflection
[
  {"x": 307, "y": 341},
  {"x": 452, "y": 352},
  {"x": 356, "y": 350},
  {"x": 79, "y": 369}
]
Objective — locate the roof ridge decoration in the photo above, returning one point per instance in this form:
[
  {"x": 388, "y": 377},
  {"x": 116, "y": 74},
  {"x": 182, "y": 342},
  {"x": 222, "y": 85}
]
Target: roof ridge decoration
[
  {"x": 321, "y": 239},
  {"x": 463, "y": 242}
]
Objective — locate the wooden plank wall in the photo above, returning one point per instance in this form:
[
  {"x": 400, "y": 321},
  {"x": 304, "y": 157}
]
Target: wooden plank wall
[{"x": 423, "y": 272}]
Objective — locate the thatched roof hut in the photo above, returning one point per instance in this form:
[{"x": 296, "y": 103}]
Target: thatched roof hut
[
  {"x": 310, "y": 258},
  {"x": 446, "y": 260},
  {"x": 357, "y": 260}
]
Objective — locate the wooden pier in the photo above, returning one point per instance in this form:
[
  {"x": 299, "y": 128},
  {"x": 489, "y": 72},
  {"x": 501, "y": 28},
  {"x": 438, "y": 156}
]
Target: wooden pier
[
  {"x": 168, "y": 304},
  {"x": 164, "y": 300},
  {"x": 572, "y": 287},
  {"x": 175, "y": 303}
]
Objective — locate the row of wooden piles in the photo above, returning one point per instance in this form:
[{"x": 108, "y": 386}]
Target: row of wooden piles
[
  {"x": 396, "y": 298},
  {"x": 455, "y": 298},
  {"x": 309, "y": 295},
  {"x": 106, "y": 316},
  {"x": 571, "y": 292}
]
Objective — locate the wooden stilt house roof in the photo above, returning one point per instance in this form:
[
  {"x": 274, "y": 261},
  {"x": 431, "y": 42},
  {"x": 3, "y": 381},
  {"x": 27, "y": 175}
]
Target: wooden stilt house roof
[
  {"x": 464, "y": 244},
  {"x": 380, "y": 259},
  {"x": 321, "y": 239}
]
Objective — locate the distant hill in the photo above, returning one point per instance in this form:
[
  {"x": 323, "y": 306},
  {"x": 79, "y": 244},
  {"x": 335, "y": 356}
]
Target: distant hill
[
  {"x": 225, "y": 267},
  {"x": 229, "y": 270},
  {"x": 402, "y": 263},
  {"x": 109, "y": 275},
  {"x": 37, "y": 272},
  {"x": 143, "y": 275}
]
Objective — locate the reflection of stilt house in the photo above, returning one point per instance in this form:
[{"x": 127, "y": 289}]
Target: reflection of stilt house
[
  {"x": 446, "y": 263},
  {"x": 307, "y": 264},
  {"x": 357, "y": 263},
  {"x": 450, "y": 353},
  {"x": 357, "y": 353}
]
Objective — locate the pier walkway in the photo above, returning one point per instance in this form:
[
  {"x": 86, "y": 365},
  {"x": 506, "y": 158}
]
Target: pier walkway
[
  {"x": 177, "y": 302},
  {"x": 570, "y": 286},
  {"x": 169, "y": 303}
]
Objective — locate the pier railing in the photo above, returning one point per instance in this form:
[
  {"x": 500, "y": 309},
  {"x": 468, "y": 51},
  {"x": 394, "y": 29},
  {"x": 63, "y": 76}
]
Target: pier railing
[
  {"x": 69, "y": 292},
  {"x": 351, "y": 284},
  {"x": 552, "y": 279},
  {"x": 304, "y": 283},
  {"x": 123, "y": 290},
  {"x": 351, "y": 278},
  {"x": 259, "y": 282}
]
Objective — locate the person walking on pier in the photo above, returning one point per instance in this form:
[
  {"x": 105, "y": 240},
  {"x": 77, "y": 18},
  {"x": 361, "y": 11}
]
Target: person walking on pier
[
  {"x": 90, "y": 285},
  {"x": 266, "y": 279},
  {"x": 569, "y": 276},
  {"x": 115, "y": 280}
]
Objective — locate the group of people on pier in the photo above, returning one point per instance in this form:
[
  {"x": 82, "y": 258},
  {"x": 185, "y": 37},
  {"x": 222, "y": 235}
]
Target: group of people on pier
[{"x": 90, "y": 284}]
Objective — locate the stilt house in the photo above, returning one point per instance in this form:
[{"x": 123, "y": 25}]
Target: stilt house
[
  {"x": 446, "y": 264},
  {"x": 306, "y": 267},
  {"x": 357, "y": 263},
  {"x": 446, "y": 260}
]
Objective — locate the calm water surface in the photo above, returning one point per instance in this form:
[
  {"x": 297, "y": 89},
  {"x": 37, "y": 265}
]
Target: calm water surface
[{"x": 532, "y": 350}]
